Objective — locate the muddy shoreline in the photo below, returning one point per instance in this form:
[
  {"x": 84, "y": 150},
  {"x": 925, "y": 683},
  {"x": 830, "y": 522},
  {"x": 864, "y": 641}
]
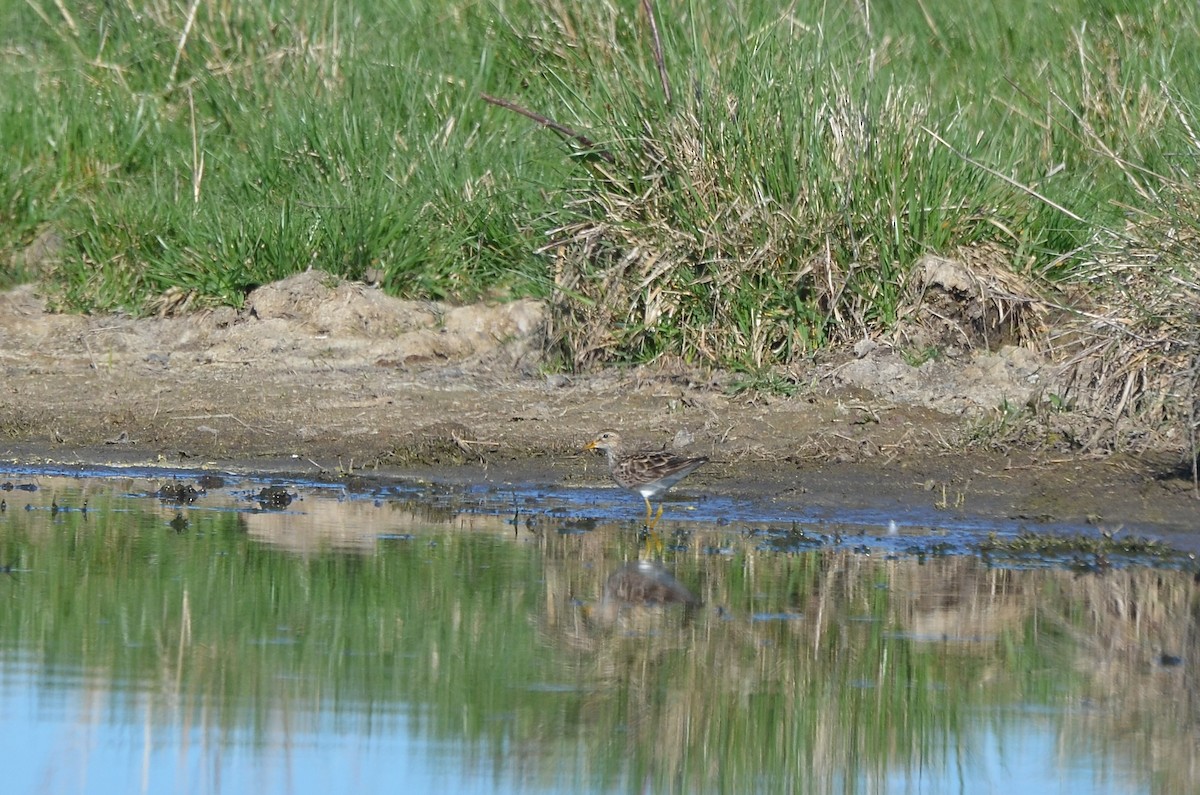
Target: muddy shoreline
[
  {"x": 288, "y": 391},
  {"x": 900, "y": 473}
]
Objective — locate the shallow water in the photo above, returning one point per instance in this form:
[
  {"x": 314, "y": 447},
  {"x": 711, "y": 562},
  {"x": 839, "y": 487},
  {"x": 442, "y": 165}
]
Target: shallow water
[{"x": 432, "y": 638}]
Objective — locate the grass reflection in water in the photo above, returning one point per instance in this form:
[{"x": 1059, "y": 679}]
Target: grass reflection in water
[{"x": 822, "y": 669}]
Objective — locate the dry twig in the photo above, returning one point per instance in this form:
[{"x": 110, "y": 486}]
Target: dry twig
[{"x": 550, "y": 124}]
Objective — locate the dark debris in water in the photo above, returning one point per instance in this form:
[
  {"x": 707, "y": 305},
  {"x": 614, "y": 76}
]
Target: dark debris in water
[
  {"x": 1085, "y": 554},
  {"x": 796, "y": 539},
  {"x": 210, "y": 482},
  {"x": 793, "y": 539},
  {"x": 182, "y": 493},
  {"x": 936, "y": 549},
  {"x": 274, "y": 497}
]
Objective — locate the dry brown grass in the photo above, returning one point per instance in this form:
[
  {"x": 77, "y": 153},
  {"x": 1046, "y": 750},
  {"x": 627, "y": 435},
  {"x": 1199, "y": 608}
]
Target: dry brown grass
[
  {"x": 1131, "y": 354},
  {"x": 975, "y": 299}
]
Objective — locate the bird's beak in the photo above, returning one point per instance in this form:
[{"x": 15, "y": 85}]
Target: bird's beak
[{"x": 589, "y": 446}]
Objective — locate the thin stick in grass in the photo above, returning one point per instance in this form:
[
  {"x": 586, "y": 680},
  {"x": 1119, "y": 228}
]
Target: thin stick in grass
[
  {"x": 183, "y": 37},
  {"x": 550, "y": 124},
  {"x": 658, "y": 52},
  {"x": 66, "y": 15},
  {"x": 197, "y": 155},
  {"x": 1024, "y": 188}
]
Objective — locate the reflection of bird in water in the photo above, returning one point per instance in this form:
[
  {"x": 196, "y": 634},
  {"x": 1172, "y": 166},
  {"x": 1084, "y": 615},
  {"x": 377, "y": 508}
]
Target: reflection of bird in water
[
  {"x": 646, "y": 583},
  {"x": 641, "y": 584},
  {"x": 645, "y": 472}
]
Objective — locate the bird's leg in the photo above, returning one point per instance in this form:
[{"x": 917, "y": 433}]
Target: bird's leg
[
  {"x": 653, "y": 544},
  {"x": 653, "y": 541},
  {"x": 650, "y": 523}
]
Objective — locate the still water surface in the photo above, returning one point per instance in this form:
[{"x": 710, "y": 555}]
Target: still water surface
[{"x": 428, "y": 639}]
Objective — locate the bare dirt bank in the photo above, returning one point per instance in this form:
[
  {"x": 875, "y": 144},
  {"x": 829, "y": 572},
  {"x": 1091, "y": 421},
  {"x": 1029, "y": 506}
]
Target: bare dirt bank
[{"x": 316, "y": 376}]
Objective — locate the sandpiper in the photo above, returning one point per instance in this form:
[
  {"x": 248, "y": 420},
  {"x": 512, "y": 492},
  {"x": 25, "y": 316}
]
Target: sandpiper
[{"x": 645, "y": 472}]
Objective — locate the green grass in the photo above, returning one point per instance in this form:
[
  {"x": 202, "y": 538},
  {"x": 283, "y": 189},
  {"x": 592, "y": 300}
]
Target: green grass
[
  {"x": 809, "y": 155},
  {"x": 326, "y": 136}
]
